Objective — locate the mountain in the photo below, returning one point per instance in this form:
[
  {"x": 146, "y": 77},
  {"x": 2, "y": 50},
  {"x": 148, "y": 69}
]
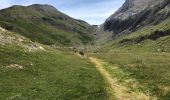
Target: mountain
[
  {"x": 131, "y": 64},
  {"x": 137, "y": 13},
  {"x": 45, "y": 24},
  {"x": 135, "y": 16}
]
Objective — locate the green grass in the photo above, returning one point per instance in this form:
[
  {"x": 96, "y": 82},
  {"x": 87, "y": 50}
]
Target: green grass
[
  {"x": 161, "y": 44},
  {"x": 158, "y": 46},
  {"x": 150, "y": 70},
  {"x": 48, "y": 75},
  {"x": 148, "y": 30},
  {"x": 148, "y": 62},
  {"x": 47, "y": 28}
]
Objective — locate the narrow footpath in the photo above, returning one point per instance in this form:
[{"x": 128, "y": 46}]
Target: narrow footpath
[{"x": 121, "y": 92}]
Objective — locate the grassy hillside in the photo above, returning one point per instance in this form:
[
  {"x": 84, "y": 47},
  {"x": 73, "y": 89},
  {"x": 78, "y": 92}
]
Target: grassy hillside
[
  {"x": 151, "y": 38},
  {"x": 45, "y": 24},
  {"x": 146, "y": 72},
  {"x": 139, "y": 60},
  {"x": 142, "y": 58},
  {"x": 45, "y": 73},
  {"x": 48, "y": 75}
]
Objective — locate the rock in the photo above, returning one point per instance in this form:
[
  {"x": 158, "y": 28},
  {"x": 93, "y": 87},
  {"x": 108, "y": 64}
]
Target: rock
[
  {"x": 41, "y": 48},
  {"x": 135, "y": 14},
  {"x": 17, "y": 66},
  {"x": 139, "y": 44},
  {"x": 20, "y": 40},
  {"x": 1, "y": 29},
  {"x": 158, "y": 50}
]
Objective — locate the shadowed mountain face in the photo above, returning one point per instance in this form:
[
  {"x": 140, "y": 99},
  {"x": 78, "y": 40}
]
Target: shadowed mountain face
[
  {"x": 135, "y": 14},
  {"x": 45, "y": 24}
]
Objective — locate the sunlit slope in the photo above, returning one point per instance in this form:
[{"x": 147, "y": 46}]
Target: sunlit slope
[
  {"x": 154, "y": 38},
  {"x": 45, "y": 24},
  {"x": 31, "y": 70}
]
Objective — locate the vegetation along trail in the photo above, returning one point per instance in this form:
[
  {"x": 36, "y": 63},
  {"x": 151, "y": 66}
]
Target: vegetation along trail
[{"x": 120, "y": 91}]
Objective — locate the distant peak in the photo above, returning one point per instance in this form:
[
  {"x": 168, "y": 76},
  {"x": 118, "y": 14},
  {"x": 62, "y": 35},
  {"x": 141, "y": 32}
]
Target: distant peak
[
  {"x": 16, "y": 6},
  {"x": 39, "y": 5},
  {"x": 42, "y": 6}
]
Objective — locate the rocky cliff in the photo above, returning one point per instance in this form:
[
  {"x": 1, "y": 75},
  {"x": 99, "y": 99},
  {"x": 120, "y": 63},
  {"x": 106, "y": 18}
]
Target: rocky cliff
[{"x": 135, "y": 14}]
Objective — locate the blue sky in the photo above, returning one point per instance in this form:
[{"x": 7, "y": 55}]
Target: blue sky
[{"x": 94, "y": 12}]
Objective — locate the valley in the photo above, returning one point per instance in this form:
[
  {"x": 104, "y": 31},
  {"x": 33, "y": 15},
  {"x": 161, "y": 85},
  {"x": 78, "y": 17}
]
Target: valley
[{"x": 48, "y": 55}]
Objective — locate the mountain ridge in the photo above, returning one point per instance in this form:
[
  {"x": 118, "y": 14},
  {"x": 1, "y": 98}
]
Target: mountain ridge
[
  {"x": 47, "y": 24},
  {"x": 134, "y": 15}
]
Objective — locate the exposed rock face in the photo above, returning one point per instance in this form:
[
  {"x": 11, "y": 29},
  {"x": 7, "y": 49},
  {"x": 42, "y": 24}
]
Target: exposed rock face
[{"x": 135, "y": 14}]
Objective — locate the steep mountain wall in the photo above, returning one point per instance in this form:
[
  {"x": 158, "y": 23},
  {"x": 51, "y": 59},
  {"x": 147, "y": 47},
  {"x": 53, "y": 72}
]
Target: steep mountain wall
[{"x": 136, "y": 14}]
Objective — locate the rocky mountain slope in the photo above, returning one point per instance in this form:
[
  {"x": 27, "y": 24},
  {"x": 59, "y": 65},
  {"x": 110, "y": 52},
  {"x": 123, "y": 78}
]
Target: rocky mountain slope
[
  {"x": 8, "y": 38},
  {"x": 45, "y": 24},
  {"x": 133, "y": 16}
]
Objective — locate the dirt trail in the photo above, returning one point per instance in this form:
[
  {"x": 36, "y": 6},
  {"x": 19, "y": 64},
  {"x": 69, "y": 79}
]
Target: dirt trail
[{"x": 121, "y": 92}]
